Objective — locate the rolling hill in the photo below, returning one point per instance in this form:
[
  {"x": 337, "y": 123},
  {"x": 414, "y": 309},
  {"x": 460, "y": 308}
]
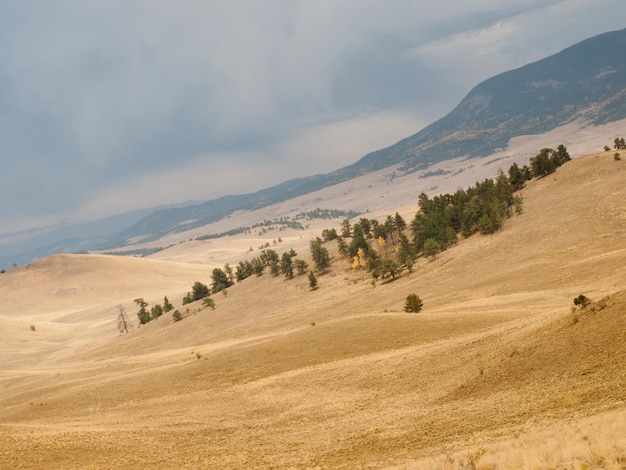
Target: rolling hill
[{"x": 496, "y": 368}]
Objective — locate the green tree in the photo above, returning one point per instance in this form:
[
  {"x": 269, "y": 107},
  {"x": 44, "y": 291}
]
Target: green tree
[
  {"x": 167, "y": 306},
  {"x": 274, "y": 268},
  {"x": 346, "y": 230},
  {"x": 312, "y": 280},
  {"x": 199, "y": 291},
  {"x": 156, "y": 311},
  {"x": 431, "y": 247},
  {"x": 301, "y": 266},
  {"x": 229, "y": 273},
  {"x": 286, "y": 265},
  {"x": 358, "y": 241},
  {"x": 320, "y": 255},
  {"x": 582, "y": 301},
  {"x": 177, "y": 316},
  {"x": 209, "y": 302},
  {"x": 413, "y": 304},
  {"x": 143, "y": 315},
  {"x": 220, "y": 281},
  {"x": 342, "y": 246},
  {"x": 562, "y": 156},
  {"x": 388, "y": 268},
  {"x": 543, "y": 164},
  {"x": 329, "y": 234},
  {"x": 366, "y": 226},
  {"x": 516, "y": 177}
]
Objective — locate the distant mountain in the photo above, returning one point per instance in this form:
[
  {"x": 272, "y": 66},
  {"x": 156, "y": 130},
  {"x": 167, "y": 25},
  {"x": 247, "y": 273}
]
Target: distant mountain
[
  {"x": 586, "y": 81},
  {"x": 25, "y": 246}
]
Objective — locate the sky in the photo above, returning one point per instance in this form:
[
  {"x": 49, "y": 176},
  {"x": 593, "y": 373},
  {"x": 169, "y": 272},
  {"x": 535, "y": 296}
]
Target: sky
[{"x": 112, "y": 105}]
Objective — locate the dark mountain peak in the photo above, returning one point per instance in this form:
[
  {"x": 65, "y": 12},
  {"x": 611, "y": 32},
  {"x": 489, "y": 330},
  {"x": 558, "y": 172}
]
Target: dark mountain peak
[{"x": 587, "y": 80}]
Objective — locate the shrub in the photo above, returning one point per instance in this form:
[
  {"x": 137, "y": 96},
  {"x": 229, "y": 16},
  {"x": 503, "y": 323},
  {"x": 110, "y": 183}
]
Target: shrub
[
  {"x": 177, "y": 316},
  {"x": 582, "y": 301},
  {"x": 413, "y": 304}
]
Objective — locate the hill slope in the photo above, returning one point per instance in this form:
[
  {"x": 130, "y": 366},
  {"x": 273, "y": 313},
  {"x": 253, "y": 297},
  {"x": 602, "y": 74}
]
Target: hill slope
[
  {"x": 586, "y": 82},
  {"x": 281, "y": 377}
]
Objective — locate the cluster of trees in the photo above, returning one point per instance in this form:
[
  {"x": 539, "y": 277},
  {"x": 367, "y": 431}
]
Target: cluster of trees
[
  {"x": 199, "y": 291},
  {"x": 286, "y": 264},
  {"x": 619, "y": 143},
  {"x": 283, "y": 223},
  {"x": 144, "y": 315},
  {"x": 326, "y": 214},
  {"x": 384, "y": 249},
  {"x": 548, "y": 160}
]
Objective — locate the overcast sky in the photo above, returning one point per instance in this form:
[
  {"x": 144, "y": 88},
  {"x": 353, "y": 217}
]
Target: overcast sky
[{"x": 112, "y": 105}]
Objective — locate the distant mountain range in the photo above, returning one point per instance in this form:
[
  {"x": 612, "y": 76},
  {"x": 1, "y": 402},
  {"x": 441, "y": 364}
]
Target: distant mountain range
[{"x": 586, "y": 82}]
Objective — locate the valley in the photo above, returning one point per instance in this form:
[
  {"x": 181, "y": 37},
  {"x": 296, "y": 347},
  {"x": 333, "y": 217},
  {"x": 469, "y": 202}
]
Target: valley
[{"x": 496, "y": 371}]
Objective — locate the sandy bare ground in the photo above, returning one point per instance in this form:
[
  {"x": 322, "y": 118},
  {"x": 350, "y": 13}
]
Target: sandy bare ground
[{"x": 278, "y": 376}]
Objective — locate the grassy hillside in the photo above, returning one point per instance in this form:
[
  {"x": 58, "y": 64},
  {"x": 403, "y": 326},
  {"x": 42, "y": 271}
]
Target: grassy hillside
[{"x": 496, "y": 366}]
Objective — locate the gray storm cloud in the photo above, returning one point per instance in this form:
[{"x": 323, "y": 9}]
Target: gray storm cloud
[{"x": 95, "y": 97}]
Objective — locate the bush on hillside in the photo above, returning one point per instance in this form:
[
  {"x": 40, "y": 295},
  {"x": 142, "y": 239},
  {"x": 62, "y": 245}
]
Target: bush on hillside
[
  {"x": 582, "y": 301},
  {"x": 413, "y": 304}
]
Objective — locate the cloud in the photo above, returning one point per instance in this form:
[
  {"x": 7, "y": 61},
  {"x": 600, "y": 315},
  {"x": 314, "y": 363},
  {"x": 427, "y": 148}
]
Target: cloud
[{"x": 101, "y": 98}]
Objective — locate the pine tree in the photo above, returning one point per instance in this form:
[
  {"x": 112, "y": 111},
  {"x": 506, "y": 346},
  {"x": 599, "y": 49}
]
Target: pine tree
[
  {"x": 320, "y": 255},
  {"x": 413, "y": 304},
  {"x": 143, "y": 315},
  {"x": 220, "y": 281}
]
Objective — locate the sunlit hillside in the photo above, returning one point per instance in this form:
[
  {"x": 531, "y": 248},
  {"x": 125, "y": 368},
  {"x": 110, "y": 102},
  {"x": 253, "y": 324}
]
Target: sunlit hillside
[{"x": 496, "y": 371}]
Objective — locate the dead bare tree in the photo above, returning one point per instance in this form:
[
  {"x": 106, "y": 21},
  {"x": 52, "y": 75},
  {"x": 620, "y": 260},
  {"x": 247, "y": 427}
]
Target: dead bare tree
[{"x": 123, "y": 323}]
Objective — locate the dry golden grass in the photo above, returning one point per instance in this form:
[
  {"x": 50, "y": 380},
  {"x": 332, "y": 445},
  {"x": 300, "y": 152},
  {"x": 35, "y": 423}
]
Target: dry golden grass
[{"x": 278, "y": 376}]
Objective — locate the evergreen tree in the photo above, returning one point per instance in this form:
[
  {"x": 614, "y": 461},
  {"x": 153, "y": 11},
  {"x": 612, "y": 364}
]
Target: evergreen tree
[
  {"x": 329, "y": 234},
  {"x": 301, "y": 266},
  {"x": 274, "y": 268},
  {"x": 562, "y": 156},
  {"x": 286, "y": 265},
  {"x": 346, "y": 230},
  {"x": 358, "y": 241},
  {"x": 220, "y": 281},
  {"x": 312, "y": 280},
  {"x": 156, "y": 311},
  {"x": 167, "y": 306},
  {"x": 199, "y": 291},
  {"x": 320, "y": 255},
  {"x": 342, "y": 247},
  {"x": 413, "y": 304},
  {"x": 516, "y": 177},
  {"x": 143, "y": 315},
  {"x": 229, "y": 273},
  {"x": 431, "y": 247},
  {"x": 366, "y": 227}
]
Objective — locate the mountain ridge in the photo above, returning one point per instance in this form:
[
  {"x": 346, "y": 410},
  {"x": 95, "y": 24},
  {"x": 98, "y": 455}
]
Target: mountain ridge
[
  {"x": 460, "y": 134},
  {"x": 586, "y": 81}
]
